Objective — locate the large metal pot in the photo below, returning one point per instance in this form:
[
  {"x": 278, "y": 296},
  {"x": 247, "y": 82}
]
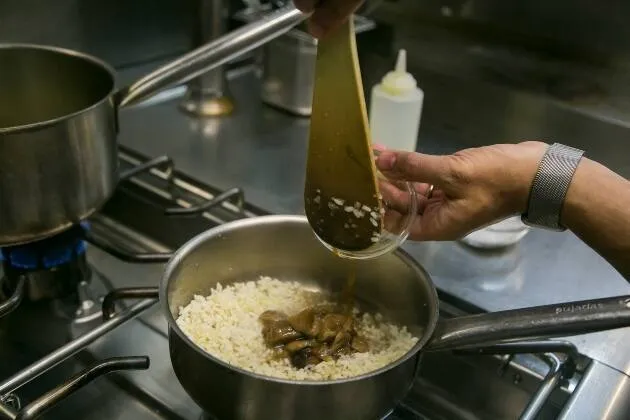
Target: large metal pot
[
  {"x": 394, "y": 284},
  {"x": 58, "y": 125}
]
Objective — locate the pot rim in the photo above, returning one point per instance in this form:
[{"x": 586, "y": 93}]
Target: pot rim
[
  {"x": 70, "y": 53},
  {"x": 216, "y": 232}
]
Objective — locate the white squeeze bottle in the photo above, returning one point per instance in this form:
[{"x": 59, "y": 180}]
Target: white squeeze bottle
[{"x": 395, "y": 108}]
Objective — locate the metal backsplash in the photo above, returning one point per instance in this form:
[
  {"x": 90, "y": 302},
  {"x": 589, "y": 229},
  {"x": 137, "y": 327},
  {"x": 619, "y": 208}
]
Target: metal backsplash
[
  {"x": 492, "y": 70},
  {"x": 504, "y": 71},
  {"x": 583, "y": 26},
  {"x": 121, "y": 32}
]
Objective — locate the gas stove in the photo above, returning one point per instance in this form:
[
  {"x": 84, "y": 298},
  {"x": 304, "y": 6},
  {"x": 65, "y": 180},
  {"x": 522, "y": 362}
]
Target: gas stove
[{"x": 56, "y": 345}]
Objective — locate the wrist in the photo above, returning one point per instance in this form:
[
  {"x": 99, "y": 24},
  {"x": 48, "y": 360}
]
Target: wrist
[{"x": 591, "y": 183}]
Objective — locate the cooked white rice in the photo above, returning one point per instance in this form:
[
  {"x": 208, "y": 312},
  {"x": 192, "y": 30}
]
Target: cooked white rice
[{"x": 226, "y": 325}]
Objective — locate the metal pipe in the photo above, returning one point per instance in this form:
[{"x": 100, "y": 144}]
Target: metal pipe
[
  {"x": 213, "y": 55},
  {"x": 116, "y": 295},
  {"x": 216, "y": 201},
  {"x": 62, "y": 353},
  {"x": 207, "y": 95},
  {"x": 157, "y": 257}
]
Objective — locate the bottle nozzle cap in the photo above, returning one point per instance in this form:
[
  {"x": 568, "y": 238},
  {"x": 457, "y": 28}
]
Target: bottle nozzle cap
[
  {"x": 401, "y": 62},
  {"x": 398, "y": 81}
]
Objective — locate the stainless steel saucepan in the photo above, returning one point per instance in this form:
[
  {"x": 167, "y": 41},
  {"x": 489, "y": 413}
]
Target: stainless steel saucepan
[
  {"x": 58, "y": 124},
  {"x": 394, "y": 284}
]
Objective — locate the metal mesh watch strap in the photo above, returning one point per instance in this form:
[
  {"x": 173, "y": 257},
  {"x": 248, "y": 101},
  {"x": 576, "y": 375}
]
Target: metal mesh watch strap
[{"x": 550, "y": 186}]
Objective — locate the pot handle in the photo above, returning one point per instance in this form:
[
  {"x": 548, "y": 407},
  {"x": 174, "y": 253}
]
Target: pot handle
[
  {"x": 213, "y": 54},
  {"x": 547, "y": 321},
  {"x": 48, "y": 400},
  {"x": 108, "y": 307},
  {"x": 520, "y": 347}
]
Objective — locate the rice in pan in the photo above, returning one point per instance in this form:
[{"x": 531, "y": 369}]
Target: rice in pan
[{"x": 226, "y": 324}]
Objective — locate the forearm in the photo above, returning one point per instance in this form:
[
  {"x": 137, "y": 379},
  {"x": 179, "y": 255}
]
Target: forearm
[{"x": 597, "y": 209}]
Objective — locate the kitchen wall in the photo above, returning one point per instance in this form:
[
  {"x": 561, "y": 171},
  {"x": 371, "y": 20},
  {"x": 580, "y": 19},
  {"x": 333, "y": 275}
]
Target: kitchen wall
[
  {"x": 122, "y": 32},
  {"x": 492, "y": 70},
  {"x": 509, "y": 70},
  {"x": 574, "y": 25}
]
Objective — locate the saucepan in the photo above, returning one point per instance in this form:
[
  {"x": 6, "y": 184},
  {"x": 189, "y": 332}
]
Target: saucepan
[
  {"x": 393, "y": 284},
  {"x": 59, "y": 121}
]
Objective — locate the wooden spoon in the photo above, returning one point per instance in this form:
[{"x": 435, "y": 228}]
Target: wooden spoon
[{"x": 341, "y": 196}]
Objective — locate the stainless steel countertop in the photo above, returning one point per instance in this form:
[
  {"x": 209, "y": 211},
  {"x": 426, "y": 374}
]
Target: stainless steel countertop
[{"x": 263, "y": 151}]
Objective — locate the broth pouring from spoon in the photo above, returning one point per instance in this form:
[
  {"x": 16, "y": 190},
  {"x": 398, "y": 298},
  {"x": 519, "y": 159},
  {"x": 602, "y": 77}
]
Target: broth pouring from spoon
[{"x": 341, "y": 197}]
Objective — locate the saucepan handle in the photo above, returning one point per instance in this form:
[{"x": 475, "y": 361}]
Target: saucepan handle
[
  {"x": 108, "y": 306},
  {"x": 547, "y": 321},
  {"x": 213, "y": 54}
]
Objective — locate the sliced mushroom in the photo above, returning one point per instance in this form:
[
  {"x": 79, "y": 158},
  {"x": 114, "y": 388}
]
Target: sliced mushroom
[
  {"x": 342, "y": 339},
  {"x": 298, "y": 345},
  {"x": 331, "y": 325},
  {"x": 300, "y": 358},
  {"x": 348, "y": 325},
  {"x": 270, "y": 317},
  {"x": 334, "y": 321},
  {"x": 279, "y": 332},
  {"x": 325, "y": 308},
  {"x": 360, "y": 344},
  {"x": 317, "y": 327},
  {"x": 323, "y": 352},
  {"x": 313, "y": 335},
  {"x": 307, "y": 322}
]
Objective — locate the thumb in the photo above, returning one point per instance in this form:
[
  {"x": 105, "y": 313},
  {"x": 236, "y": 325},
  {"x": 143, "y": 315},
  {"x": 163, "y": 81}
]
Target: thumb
[{"x": 415, "y": 167}]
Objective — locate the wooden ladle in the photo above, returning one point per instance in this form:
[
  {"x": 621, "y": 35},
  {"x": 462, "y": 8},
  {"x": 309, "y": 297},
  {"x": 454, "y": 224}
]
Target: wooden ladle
[{"x": 341, "y": 197}]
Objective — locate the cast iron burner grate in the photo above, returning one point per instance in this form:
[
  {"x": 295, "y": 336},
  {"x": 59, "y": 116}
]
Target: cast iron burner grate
[
  {"x": 49, "y": 256},
  {"x": 68, "y": 248}
]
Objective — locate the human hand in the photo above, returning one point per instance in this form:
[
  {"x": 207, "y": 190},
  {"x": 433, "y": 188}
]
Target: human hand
[
  {"x": 472, "y": 188},
  {"x": 327, "y": 14}
]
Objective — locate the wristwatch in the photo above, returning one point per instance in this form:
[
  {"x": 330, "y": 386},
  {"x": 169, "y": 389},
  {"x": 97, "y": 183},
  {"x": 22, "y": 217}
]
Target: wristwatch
[{"x": 550, "y": 186}]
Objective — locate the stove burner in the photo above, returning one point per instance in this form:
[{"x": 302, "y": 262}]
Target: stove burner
[
  {"x": 47, "y": 253},
  {"x": 52, "y": 267}
]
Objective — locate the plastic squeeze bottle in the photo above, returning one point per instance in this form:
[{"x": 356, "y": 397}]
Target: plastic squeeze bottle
[{"x": 395, "y": 108}]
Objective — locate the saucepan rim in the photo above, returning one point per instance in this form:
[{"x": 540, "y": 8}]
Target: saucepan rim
[
  {"x": 69, "y": 53},
  {"x": 216, "y": 232}
]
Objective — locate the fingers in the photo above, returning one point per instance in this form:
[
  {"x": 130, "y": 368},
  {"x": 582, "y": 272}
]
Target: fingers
[
  {"x": 415, "y": 167},
  {"x": 394, "y": 221},
  {"x": 423, "y": 227},
  {"x": 327, "y": 14},
  {"x": 396, "y": 196},
  {"x": 397, "y": 199},
  {"x": 419, "y": 230}
]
